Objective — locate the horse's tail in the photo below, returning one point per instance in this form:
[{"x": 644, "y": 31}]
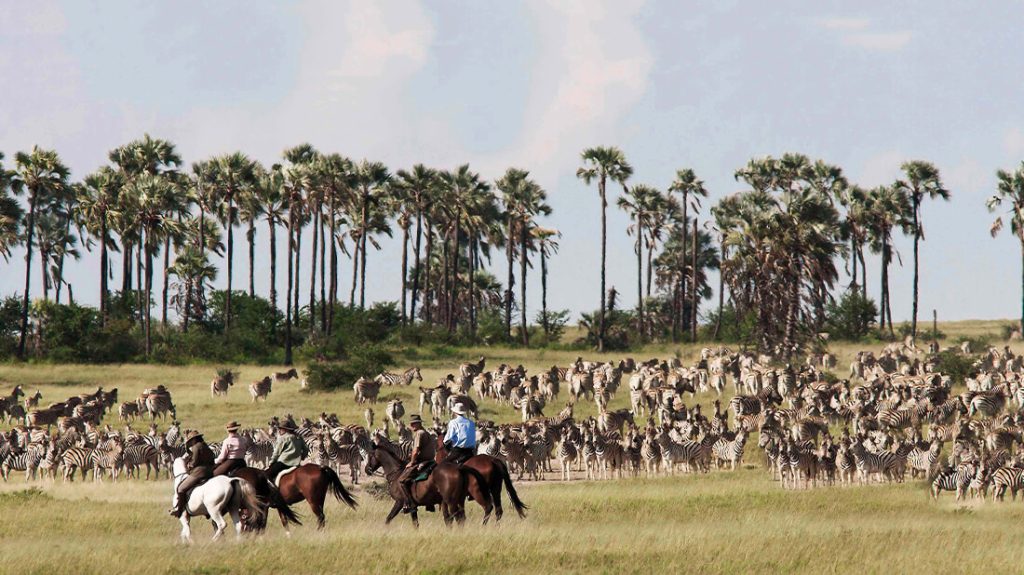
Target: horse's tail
[
  {"x": 278, "y": 502},
  {"x": 248, "y": 498},
  {"x": 485, "y": 487},
  {"x": 337, "y": 487},
  {"x": 506, "y": 477}
]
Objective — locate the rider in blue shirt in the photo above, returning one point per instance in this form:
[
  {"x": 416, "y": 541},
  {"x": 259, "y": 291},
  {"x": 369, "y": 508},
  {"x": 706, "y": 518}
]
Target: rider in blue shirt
[{"x": 460, "y": 439}]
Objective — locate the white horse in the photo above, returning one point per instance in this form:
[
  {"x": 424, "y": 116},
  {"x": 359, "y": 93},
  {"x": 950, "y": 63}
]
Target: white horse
[{"x": 219, "y": 496}]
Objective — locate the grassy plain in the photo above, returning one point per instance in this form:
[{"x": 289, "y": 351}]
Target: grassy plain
[{"x": 723, "y": 522}]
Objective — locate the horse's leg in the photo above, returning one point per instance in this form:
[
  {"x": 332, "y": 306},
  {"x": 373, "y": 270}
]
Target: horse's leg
[
  {"x": 394, "y": 512},
  {"x": 186, "y": 530},
  {"x": 318, "y": 509},
  {"x": 218, "y": 521},
  {"x": 414, "y": 515},
  {"x": 237, "y": 522},
  {"x": 496, "y": 498},
  {"x": 284, "y": 523}
]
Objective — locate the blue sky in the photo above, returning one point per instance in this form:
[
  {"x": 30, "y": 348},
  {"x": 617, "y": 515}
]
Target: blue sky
[{"x": 864, "y": 85}]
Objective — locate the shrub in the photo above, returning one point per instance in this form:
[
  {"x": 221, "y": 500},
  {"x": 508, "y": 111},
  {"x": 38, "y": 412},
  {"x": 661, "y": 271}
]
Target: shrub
[
  {"x": 553, "y": 323},
  {"x": 954, "y": 364},
  {"x": 363, "y": 361},
  {"x": 736, "y": 327},
  {"x": 1009, "y": 329},
  {"x": 850, "y": 318}
]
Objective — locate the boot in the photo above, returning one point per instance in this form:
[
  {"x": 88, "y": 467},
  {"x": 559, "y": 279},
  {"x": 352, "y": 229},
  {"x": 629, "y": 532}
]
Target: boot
[{"x": 410, "y": 505}]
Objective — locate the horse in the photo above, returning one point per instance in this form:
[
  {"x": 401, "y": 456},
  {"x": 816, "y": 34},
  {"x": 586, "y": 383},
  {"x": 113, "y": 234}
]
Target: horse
[
  {"x": 495, "y": 474},
  {"x": 218, "y": 496},
  {"x": 448, "y": 486},
  {"x": 271, "y": 497},
  {"x": 312, "y": 482}
]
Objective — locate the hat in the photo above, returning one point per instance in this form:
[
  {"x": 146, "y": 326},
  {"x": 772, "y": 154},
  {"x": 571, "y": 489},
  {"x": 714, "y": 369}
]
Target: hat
[
  {"x": 233, "y": 426},
  {"x": 192, "y": 437},
  {"x": 286, "y": 428},
  {"x": 459, "y": 409},
  {"x": 415, "y": 419}
]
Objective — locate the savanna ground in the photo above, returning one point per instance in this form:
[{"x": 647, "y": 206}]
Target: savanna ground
[{"x": 723, "y": 522}]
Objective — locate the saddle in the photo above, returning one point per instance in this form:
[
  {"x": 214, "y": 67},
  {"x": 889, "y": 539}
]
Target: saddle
[
  {"x": 423, "y": 471},
  {"x": 277, "y": 480}
]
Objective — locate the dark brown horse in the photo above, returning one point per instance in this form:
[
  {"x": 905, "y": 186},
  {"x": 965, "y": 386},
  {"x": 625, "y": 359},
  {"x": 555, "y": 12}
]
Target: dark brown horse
[
  {"x": 271, "y": 498},
  {"x": 312, "y": 482},
  {"x": 494, "y": 473},
  {"x": 448, "y": 486}
]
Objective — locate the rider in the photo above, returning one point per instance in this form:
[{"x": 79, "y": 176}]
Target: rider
[
  {"x": 198, "y": 465},
  {"x": 289, "y": 451},
  {"x": 232, "y": 451},
  {"x": 460, "y": 440},
  {"x": 422, "y": 454}
]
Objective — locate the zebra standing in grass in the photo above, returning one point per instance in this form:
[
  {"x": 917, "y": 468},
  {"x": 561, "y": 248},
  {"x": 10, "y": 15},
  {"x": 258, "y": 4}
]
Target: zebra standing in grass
[
  {"x": 28, "y": 461},
  {"x": 885, "y": 464},
  {"x": 404, "y": 378},
  {"x": 730, "y": 451},
  {"x": 136, "y": 456},
  {"x": 260, "y": 389},
  {"x": 567, "y": 454},
  {"x": 957, "y": 479},
  {"x": 651, "y": 453},
  {"x": 76, "y": 459},
  {"x": 109, "y": 459},
  {"x": 366, "y": 390},
  {"x": 1005, "y": 478}
]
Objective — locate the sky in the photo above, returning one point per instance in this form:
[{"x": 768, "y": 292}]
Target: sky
[{"x": 703, "y": 85}]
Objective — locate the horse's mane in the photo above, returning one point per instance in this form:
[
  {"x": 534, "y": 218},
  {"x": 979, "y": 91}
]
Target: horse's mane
[{"x": 389, "y": 450}]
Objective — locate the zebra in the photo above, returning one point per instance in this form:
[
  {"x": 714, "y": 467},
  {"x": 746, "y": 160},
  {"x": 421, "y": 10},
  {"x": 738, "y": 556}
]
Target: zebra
[
  {"x": 368, "y": 416},
  {"x": 956, "y": 479},
  {"x": 650, "y": 451},
  {"x": 27, "y": 461},
  {"x": 923, "y": 461},
  {"x": 394, "y": 411},
  {"x": 366, "y": 390},
  {"x": 128, "y": 411},
  {"x": 160, "y": 404},
  {"x": 404, "y": 378},
  {"x": 32, "y": 401},
  {"x": 886, "y": 463},
  {"x": 138, "y": 455},
  {"x": 284, "y": 376},
  {"x": 110, "y": 460},
  {"x": 260, "y": 389},
  {"x": 219, "y": 385},
  {"x": 76, "y": 458},
  {"x": 730, "y": 451},
  {"x": 1007, "y": 477},
  {"x": 567, "y": 454}
]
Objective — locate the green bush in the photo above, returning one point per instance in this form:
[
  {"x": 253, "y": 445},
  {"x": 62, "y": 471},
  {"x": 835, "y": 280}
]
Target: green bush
[
  {"x": 363, "y": 361},
  {"x": 736, "y": 327},
  {"x": 852, "y": 317},
  {"x": 954, "y": 364}
]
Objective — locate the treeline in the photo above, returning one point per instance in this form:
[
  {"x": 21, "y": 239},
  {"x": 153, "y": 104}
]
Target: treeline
[{"x": 467, "y": 244}]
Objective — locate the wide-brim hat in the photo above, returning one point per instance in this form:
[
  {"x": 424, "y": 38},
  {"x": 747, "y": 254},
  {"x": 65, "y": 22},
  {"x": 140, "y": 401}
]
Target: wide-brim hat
[
  {"x": 192, "y": 437},
  {"x": 415, "y": 419},
  {"x": 233, "y": 426},
  {"x": 459, "y": 409},
  {"x": 286, "y": 428}
]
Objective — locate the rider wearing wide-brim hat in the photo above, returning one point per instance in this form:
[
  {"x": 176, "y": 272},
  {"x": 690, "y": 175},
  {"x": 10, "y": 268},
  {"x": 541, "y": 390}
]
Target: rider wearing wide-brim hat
[
  {"x": 289, "y": 451},
  {"x": 460, "y": 439},
  {"x": 422, "y": 455},
  {"x": 232, "y": 451},
  {"x": 198, "y": 466}
]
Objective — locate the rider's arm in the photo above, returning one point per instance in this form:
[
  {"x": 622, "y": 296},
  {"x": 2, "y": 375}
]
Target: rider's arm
[
  {"x": 449, "y": 435},
  {"x": 223, "y": 452},
  {"x": 277, "y": 451}
]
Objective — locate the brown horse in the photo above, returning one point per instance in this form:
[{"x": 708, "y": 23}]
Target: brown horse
[
  {"x": 271, "y": 498},
  {"x": 448, "y": 486},
  {"x": 312, "y": 482},
  {"x": 494, "y": 473}
]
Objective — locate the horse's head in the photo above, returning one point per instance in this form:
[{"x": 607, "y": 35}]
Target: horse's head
[{"x": 372, "y": 462}]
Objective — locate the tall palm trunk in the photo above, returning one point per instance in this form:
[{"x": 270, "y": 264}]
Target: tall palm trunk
[
  {"x": 650, "y": 268},
  {"x": 693, "y": 284},
  {"x": 721, "y": 289},
  {"x": 428, "y": 294},
  {"x": 273, "y": 262},
  {"x": 166, "y": 282},
  {"x": 356, "y": 252},
  {"x": 126, "y": 267},
  {"x": 886, "y": 304},
  {"x": 453, "y": 296},
  {"x": 288, "y": 293},
  {"x": 148, "y": 318},
  {"x": 250, "y": 236},
  {"x": 471, "y": 259},
  {"x": 139, "y": 279},
  {"x": 683, "y": 316},
  {"x": 104, "y": 264},
  {"x": 1022, "y": 285},
  {"x": 442, "y": 301},
  {"x": 333, "y": 289},
  {"x": 917, "y": 238},
  {"x": 362, "y": 265},
  {"x": 60, "y": 261},
  {"x": 312, "y": 268},
  {"x": 604, "y": 259},
  {"x": 31, "y": 228},
  {"x": 544, "y": 291},
  {"x": 511, "y": 277},
  {"x": 416, "y": 264},
  {"x": 853, "y": 256},
  {"x": 188, "y": 305},
  {"x": 323, "y": 269},
  {"x": 405, "y": 270},
  {"x": 231, "y": 259},
  {"x": 298, "y": 267},
  {"x": 522, "y": 285},
  {"x": 638, "y": 247}
]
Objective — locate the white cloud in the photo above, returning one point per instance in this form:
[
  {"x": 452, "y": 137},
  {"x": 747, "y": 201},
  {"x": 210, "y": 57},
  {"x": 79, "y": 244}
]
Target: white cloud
[
  {"x": 879, "y": 41},
  {"x": 844, "y": 23}
]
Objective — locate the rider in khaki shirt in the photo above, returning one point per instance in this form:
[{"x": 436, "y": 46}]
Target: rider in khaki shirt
[{"x": 422, "y": 453}]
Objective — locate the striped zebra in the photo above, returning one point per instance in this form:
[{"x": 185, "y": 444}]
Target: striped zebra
[
  {"x": 138, "y": 455},
  {"x": 886, "y": 464},
  {"x": 567, "y": 454},
  {"x": 366, "y": 390},
  {"x": 1004, "y": 478},
  {"x": 923, "y": 461},
  {"x": 731, "y": 452},
  {"x": 128, "y": 411},
  {"x": 404, "y": 378},
  {"x": 160, "y": 404},
  {"x": 259, "y": 453},
  {"x": 27, "y": 461},
  {"x": 108, "y": 460},
  {"x": 650, "y": 451},
  {"x": 260, "y": 389},
  {"x": 956, "y": 479},
  {"x": 76, "y": 459}
]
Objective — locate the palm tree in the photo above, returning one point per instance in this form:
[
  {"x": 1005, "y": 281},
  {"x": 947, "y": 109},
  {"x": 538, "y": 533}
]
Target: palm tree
[
  {"x": 921, "y": 180},
  {"x": 296, "y": 180},
  {"x": 855, "y": 225},
  {"x": 692, "y": 189},
  {"x": 97, "y": 207},
  {"x": 641, "y": 202},
  {"x": 42, "y": 175},
  {"x": 250, "y": 208},
  {"x": 334, "y": 175},
  {"x": 371, "y": 184},
  {"x": 418, "y": 185},
  {"x": 195, "y": 272},
  {"x": 159, "y": 198},
  {"x": 11, "y": 213},
  {"x": 1011, "y": 191},
  {"x": 888, "y": 208},
  {"x": 547, "y": 245},
  {"x": 269, "y": 192},
  {"x": 55, "y": 241},
  {"x": 523, "y": 199},
  {"x": 234, "y": 175},
  {"x": 603, "y": 164},
  {"x": 470, "y": 206}
]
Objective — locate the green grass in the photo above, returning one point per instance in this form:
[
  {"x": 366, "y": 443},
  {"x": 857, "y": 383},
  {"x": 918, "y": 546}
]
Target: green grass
[{"x": 723, "y": 522}]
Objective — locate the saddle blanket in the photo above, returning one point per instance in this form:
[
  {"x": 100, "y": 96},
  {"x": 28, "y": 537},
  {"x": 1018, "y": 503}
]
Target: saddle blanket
[
  {"x": 277, "y": 481},
  {"x": 424, "y": 472}
]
